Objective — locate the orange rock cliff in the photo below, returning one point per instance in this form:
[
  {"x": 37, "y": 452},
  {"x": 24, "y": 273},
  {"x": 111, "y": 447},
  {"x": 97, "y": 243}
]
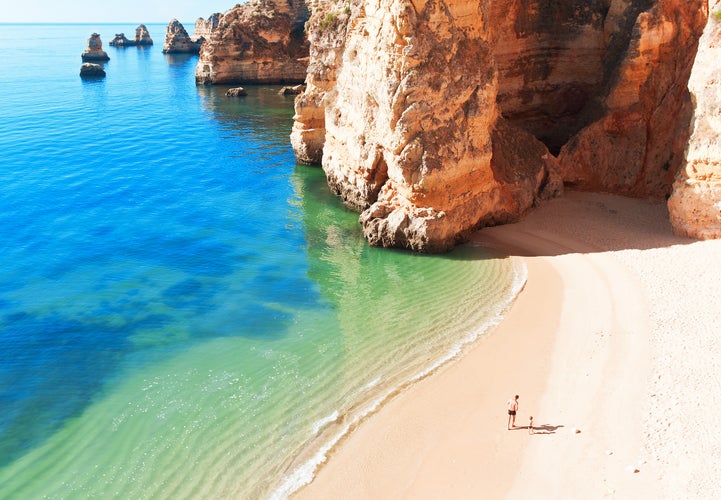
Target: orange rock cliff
[
  {"x": 434, "y": 118},
  {"x": 261, "y": 41}
]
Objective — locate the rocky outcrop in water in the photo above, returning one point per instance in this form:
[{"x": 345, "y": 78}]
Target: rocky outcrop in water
[
  {"x": 91, "y": 70},
  {"x": 177, "y": 40},
  {"x": 695, "y": 205},
  {"x": 292, "y": 90},
  {"x": 435, "y": 118},
  {"x": 261, "y": 41},
  {"x": 142, "y": 38},
  {"x": 95, "y": 51},
  {"x": 120, "y": 41},
  {"x": 236, "y": 92}
]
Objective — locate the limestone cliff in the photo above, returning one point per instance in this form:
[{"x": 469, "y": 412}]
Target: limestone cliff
[
  {"x": 638, "y": 126},
  {"x": 437, "y": 117},
  {"x": 695, "y": 205},
  {"x": 205, "y": 27},
  {"x": 258, "y": 42}
]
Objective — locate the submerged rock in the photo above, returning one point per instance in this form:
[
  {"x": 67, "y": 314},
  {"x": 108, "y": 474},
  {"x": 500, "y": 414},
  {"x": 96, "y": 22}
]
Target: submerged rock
[
  {"x": 91, "y": 70},
  {"x": 236, "y": 92},
  {"x": 95, "y": 51},
  {"x": 294, "y": 90}
]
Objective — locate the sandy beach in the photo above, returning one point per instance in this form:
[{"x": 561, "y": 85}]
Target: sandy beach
[{"x": 614, "y": 347}]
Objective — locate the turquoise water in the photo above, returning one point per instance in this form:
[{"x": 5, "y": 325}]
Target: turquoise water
[{"x": 184, "y": 311}]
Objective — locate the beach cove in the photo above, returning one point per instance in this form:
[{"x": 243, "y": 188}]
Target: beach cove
[
  {"x": 184, "y": 310},
  {"x": 615, "y": 336}
]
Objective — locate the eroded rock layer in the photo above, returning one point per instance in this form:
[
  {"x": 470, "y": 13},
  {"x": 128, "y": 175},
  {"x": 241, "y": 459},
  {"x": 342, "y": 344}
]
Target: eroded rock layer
[
  {"x": 695, "y": 205},
  {"x": 437, "y": 117},
  {"x": 261, "y": 41},
  {"x": 205, "y": 27}
]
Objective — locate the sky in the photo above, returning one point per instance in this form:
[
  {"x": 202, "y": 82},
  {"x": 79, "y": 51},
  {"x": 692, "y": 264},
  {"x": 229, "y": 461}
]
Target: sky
[{"x": 123, "y": 11}]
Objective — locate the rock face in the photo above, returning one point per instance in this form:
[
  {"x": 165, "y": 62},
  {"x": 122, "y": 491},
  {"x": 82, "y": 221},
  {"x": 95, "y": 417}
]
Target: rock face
[
  {"x": 95, "y": 51},
  {"x": 437, "y": 117},
  {"x": 177, "y": 40},
  {"x": 91, "y": 70},
  {"x": 695, "y": 205},
  {"x": 634, "y": 142},
  {"x": 204, "y": 28},
  {"x": 258, "y": 42}
]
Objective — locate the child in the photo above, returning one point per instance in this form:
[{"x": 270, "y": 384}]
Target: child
[{"x": 530, "y": 425}]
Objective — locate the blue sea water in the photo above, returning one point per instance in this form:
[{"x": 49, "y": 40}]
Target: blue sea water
[{"x": 184, "y": 311}]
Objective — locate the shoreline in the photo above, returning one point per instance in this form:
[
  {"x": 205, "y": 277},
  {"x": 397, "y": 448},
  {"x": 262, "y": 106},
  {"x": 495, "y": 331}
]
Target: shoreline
[
  {"x": 310, "y": 465},
  {"x": 591, "y": 349}
]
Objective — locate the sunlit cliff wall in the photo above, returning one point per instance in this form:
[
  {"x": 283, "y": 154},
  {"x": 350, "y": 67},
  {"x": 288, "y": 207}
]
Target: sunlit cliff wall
[{"x": 434, "y": 118}]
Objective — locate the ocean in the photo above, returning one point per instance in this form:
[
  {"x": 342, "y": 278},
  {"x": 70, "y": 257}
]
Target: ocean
[{"x": 185, "y": 312}]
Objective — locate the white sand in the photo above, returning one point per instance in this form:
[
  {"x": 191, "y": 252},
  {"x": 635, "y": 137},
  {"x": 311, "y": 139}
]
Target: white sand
[{"x": 617, "y": 334}]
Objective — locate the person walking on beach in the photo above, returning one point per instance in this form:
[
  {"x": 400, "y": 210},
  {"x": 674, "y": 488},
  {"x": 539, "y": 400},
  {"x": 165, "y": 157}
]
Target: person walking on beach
[
  {"x": 530, "y": 424},
  {"x": 512, "y": 409}
]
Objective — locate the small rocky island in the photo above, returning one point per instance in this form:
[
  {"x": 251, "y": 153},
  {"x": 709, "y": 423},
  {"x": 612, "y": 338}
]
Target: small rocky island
[
  {"x": 142, "y": 38},
  {"x": 177, "y": 40},
  {"x": 91, "y": 70},
  {"x": 94, "y": 52}
]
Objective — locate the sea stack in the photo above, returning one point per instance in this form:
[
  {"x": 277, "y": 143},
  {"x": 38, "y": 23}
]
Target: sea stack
[
  {"x": 120, "y": 41},
  {"x": 257, "y": 42},
  {"x": 142, "y": 36},
  {"x": 95, "y": 51},
  {"x": 177, "y": 40}
]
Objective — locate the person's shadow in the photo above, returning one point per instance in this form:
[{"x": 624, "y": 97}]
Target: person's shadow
[{"x": 545, "y": 429}]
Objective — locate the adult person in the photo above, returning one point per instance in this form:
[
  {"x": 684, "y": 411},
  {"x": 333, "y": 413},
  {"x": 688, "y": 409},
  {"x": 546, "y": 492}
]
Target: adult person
[{"x": 512, "y": 410}]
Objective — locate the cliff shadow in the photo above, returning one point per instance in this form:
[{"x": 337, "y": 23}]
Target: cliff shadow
[{"x": 583, "y": 222}]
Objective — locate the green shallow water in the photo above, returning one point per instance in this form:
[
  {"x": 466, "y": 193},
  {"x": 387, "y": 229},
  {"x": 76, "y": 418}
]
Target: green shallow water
[{"x": 252, "y": 417}]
